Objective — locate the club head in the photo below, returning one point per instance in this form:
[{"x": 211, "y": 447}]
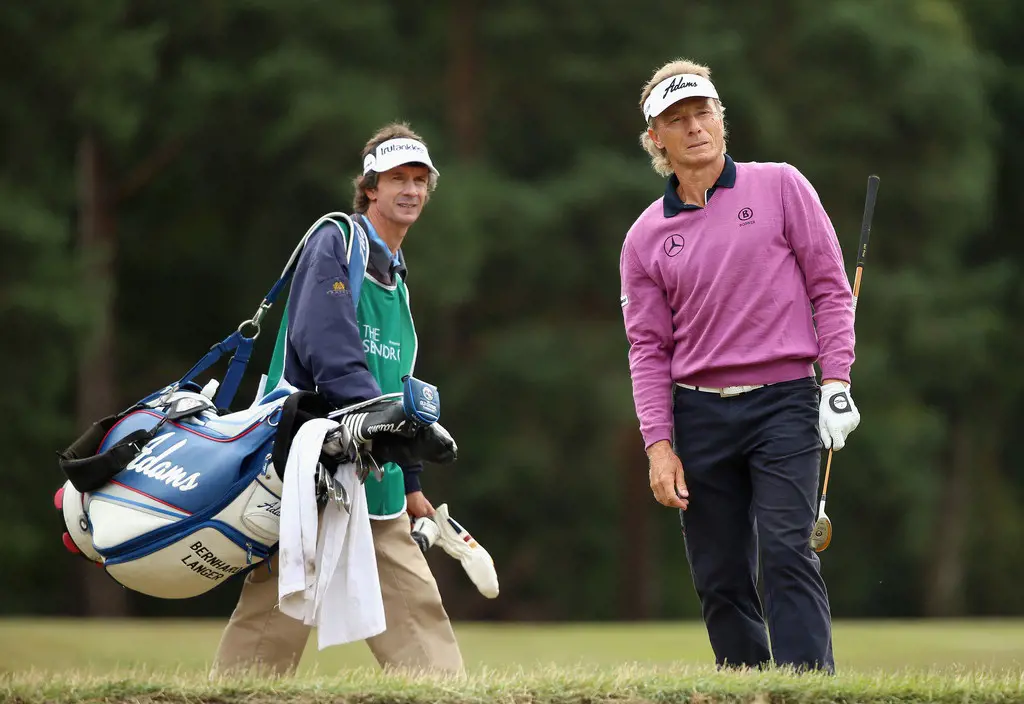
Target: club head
[
  {"x": 821, "y": 536},
  {"x": 188, "y": 405}
]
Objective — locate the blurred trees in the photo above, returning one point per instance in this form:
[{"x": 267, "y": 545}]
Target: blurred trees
[{"x": 162, "y": 161}]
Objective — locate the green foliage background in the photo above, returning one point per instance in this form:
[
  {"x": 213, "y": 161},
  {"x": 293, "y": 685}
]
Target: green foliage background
[{"x": 223, "y": 129}]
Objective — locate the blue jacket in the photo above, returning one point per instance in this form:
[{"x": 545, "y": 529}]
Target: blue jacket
[{"x": 324, "y": 351}]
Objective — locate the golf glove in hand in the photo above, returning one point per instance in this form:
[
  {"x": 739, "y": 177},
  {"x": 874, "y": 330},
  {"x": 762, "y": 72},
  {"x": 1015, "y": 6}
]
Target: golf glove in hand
[
  {"x": 459, "y": 544},
  {"x": 837, "y": 415}
]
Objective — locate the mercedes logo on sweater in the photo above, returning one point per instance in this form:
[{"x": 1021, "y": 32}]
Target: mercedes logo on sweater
[{"x": 674, "y": 245}]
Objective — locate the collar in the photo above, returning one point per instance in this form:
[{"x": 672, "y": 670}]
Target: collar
[
  {"x": 381, "y": 258},
  {"x": 673, "y": 204}
]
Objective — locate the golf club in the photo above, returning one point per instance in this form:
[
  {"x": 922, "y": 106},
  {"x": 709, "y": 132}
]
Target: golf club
[{"x": 821, "y": 536}]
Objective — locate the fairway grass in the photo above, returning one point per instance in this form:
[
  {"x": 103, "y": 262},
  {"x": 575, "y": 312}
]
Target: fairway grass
[
  {"x": 60, "y": 645},
  {"x": 167, "y": 661}
]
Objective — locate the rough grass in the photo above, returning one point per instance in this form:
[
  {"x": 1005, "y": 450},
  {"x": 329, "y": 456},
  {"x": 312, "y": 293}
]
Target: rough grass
[
  {"x": 633, "y": 684},
  {"x": 57, "y": 661}
]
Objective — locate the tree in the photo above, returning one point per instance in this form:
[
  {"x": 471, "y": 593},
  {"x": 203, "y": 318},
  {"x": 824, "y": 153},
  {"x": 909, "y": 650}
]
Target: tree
[{"x": 200, "y": 143}]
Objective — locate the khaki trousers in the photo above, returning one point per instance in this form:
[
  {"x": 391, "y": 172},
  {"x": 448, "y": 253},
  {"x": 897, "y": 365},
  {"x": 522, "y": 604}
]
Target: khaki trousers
[{"x": 419, "y": 635}]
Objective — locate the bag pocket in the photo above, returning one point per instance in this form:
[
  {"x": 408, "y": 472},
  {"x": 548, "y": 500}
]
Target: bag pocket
[{"x": 189, "y": 564}]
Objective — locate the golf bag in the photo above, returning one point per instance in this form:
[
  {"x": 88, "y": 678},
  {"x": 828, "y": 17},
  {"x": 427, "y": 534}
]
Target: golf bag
[{"x": 175, "y": 495}]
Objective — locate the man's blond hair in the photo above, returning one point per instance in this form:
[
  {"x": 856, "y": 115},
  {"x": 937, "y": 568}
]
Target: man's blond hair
[
  {"x": 362, "y": 182},
  {"x": 659, "y": 159}
]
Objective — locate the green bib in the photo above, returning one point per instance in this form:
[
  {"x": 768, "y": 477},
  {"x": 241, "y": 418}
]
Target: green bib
[{"x": 389, "y": 342}]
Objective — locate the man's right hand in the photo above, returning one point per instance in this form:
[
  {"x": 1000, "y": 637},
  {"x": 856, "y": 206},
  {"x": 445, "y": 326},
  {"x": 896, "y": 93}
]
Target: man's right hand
[{"x": 666, "y": 475}]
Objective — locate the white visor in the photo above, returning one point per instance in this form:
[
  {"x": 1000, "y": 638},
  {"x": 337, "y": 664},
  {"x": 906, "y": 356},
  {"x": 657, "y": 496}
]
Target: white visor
[
  {"x": 395, "y": 152},
  {"x": 676, "y": 88}
]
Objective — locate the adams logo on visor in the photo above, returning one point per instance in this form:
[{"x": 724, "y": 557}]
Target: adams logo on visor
[
  {"x": 676, "y": 88},
  {"x": 396, "y": 152}
]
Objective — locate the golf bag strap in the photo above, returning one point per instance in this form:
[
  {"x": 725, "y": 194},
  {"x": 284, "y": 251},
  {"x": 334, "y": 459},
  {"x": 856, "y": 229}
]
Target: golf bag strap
[
  {"x": 276, "y": 369},
  {"x": 235, "y": 342},
  {"x": 88, "y": 471},
  {"x": 238, "y": 343},
  {"x": 356, "y": 259},
  {"x": 236, "y": 369}
]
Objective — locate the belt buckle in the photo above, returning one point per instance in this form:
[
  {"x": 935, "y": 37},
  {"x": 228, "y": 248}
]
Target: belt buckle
[{"x": 738, "y": 390}]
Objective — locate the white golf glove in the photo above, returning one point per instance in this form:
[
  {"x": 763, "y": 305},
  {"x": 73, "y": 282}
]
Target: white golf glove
[
  {"x": 443, "y": 530},
  {"x": 837, "y": 415}
]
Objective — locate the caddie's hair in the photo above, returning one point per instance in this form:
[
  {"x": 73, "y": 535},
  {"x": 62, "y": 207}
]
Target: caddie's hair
[
  {"x": 659, "y": 159},
  {"x": 362, "y": 182}
]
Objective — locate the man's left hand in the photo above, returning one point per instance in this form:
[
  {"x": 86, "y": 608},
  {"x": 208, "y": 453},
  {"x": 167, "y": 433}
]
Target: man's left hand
[
  {"x": 837, "y": 414},
  {"x": 417, "y": 505}
]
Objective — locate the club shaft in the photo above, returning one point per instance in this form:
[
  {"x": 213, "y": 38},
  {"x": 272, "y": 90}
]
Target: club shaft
[
  {"x": 828, "y": 471},
  {"x": 856, "y": 284},
  {"x": 862, "y": 252},
  {"x": 865, "y": 234}
]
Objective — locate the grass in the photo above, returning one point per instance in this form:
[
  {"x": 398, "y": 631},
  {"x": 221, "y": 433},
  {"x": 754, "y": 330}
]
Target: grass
[
  {"x": 167, "y": 661},
  {"x": 631, "y": 684}
]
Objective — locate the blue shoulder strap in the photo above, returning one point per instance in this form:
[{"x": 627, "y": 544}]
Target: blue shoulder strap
[{"x": 357, "y": 251}]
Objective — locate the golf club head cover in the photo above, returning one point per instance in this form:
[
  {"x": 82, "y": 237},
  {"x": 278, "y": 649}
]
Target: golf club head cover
[
  {"x": 401, "y": 427},
  {"x": 430, "y": 444},
  {"x": 380, "y": 417},
  {"x": 421, "y": 401},
  {"x": 459, "y": 544},
  {"x": 402, "y": 414}
]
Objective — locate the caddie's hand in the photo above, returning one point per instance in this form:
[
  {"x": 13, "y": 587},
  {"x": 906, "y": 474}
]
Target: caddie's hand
[
  {"x": 837, "y": 414},
  {"x": 417, "y": 505},
  {"x": 666, "y": 475}
]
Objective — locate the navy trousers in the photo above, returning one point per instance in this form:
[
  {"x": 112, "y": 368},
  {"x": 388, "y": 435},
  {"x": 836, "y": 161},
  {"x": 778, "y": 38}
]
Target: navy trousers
[{"x": 751, "y": 465}]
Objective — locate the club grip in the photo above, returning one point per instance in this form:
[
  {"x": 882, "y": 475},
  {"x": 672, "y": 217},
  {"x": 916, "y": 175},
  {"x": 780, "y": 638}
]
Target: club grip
[{"x": 865, "y": 225}]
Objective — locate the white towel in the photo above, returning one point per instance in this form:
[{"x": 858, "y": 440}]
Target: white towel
[{"x": 328, "y": 581}]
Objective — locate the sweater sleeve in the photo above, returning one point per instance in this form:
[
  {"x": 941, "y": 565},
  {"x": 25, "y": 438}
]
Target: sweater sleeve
[
  {"x": 648, "y": 322},
  {"x": 814, "y": 242}
]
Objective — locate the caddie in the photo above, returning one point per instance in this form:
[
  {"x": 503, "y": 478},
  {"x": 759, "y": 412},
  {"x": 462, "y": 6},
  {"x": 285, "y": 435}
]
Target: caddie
[
  {"x": 354, "y": 351},
  {"x": 732, "y": 288}
]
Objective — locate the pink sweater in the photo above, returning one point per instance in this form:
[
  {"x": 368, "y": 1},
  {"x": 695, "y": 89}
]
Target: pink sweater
[{"x": 723, "y": 295}]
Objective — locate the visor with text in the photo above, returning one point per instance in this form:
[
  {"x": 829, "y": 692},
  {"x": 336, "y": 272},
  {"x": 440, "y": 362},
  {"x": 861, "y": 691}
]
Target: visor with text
[
  {"x": 676, "y": 88},
  {"x": 395, "y": 152}
]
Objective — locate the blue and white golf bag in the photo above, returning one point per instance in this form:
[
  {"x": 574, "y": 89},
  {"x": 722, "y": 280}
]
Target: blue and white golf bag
[
  {"x": 198, "y": 500},
  {"x": 174, "y": 495}
]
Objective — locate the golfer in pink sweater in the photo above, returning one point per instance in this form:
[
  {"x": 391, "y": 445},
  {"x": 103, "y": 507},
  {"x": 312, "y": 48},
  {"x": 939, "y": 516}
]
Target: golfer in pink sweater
[{"x": 733, "y": 288}]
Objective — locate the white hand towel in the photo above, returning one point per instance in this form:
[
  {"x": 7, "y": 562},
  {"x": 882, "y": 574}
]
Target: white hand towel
[{"x": 328, "y": 581}]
